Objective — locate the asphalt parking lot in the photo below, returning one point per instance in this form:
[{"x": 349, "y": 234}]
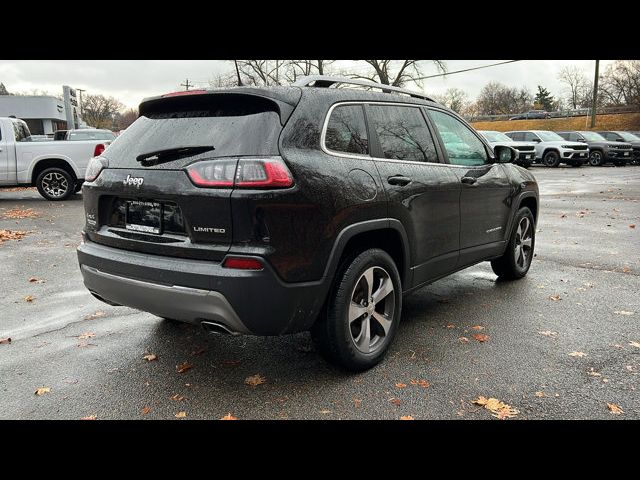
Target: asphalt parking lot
[{"x": 560, "y": 344}]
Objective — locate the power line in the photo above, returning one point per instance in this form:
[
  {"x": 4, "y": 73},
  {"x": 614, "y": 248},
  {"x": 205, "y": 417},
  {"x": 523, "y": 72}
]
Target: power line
[{"x": 465, "y": 70}]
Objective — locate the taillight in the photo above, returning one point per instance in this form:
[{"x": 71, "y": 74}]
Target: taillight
[
  {"x": 98, "y": 150},
  {"x": 95, "y": 166},
  {"x": 242, "y": 263},
  {"x": 269, "y": 172}
]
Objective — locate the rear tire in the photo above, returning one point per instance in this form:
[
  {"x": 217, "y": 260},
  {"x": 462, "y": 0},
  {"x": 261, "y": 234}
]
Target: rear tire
[
  {"x": 362, "y": 312},
  {"x": 55, "y": 184},
  {"x": 515, "y": 262},
  {"x": 551, "y": 159}
]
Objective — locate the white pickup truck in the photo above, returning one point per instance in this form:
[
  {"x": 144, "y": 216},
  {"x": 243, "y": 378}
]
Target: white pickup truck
[{"x": 55, "y": 168}]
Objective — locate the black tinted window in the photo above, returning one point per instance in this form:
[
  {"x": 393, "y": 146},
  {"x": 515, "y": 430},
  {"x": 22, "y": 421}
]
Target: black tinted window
[
  {"x": 516, "y": 136},
  {"x": 566, "y": 136},
  {"x": 403, "y": 133},
  {"x": 346, "y": 131},
  {"x": 530, "y": 137}
]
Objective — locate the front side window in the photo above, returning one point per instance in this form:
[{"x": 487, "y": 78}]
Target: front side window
[
  {"x": 462, "y": 146},
  {"x": 530, "y": 137},
  {"x": 346, "y": 130},
  {"x": 402, "y": 133}
]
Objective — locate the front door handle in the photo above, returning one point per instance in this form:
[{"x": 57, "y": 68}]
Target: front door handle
[
  {"x": 469, "y": 180},
  {"x": 399, "y": 180}
]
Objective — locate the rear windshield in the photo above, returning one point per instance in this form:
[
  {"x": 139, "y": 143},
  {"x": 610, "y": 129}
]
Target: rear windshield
[
  {"x": 231, "y": 128},
  {"x": 91, "y": 136}
]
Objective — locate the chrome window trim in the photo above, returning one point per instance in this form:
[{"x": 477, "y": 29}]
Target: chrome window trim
[{"x": 328, "y": 151}]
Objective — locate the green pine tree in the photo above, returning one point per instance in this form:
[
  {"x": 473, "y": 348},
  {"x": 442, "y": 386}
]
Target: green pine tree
[{"x": 544, "y": 100}]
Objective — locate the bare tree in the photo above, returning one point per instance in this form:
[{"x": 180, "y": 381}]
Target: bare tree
[
  {"x": 620, "y": 84},
  {"x": 263, "y": 73},
  {"x": 498, "y": 99},
  {"x": 224, "y": 80},
  {"x": 100, "y": 111},
  {"x": 397, "y": 73},
  {"x": 301, "y": 68},
  {"x": 123, "y": 120},
  {"x": 578, "y": 86},
  {"x": 455, "y": 99}
]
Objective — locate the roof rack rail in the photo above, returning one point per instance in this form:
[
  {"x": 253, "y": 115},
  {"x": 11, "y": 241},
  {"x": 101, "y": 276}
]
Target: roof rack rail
[{"x": 327, "y": 81}]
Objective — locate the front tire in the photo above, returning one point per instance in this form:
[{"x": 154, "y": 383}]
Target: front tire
[
  {"x": 362, "y": 313},
  {"x": 55, "y": 184},
  {"x": 551, "y": 159},
  {"x": 515, "y": 262},
  {"x": 595, "y": 158}
]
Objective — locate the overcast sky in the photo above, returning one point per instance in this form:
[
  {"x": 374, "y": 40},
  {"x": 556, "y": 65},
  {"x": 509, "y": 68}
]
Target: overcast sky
[{"x": 132, "y": 80}]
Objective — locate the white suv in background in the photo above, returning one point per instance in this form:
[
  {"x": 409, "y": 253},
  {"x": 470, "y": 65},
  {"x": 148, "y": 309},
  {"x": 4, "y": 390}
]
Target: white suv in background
[{"x": 552, "y": 149}]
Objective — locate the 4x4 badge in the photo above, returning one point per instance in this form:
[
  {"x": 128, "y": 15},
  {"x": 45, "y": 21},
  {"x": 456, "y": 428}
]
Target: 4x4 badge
[{"x": 137, "y": 181}]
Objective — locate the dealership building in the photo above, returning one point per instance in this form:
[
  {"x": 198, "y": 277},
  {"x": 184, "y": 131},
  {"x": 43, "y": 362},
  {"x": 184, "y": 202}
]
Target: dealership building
[{"x": 43, "y": 114}]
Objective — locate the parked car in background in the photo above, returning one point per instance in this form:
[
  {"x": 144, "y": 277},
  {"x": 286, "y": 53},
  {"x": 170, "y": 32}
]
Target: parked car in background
[
  {"x": 526, "y": 150},
  {"x": 56, "y": 168},
  {"x": 275, "y": 210},
  {"x": 619, "y": 136},
  {"x": 601, "y": 150},
  {"x": 532, "y": 114},
  {"x": 552, "y": 149},
  {"x": 85, "y": 134}
]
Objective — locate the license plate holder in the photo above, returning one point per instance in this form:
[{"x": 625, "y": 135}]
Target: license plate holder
[{"x": 145, "y": 217}]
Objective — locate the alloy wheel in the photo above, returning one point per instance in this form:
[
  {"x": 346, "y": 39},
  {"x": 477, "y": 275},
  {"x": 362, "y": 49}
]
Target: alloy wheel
[
  {"x": 524, "y": 240},
  {"x": 55, "y": 184}
]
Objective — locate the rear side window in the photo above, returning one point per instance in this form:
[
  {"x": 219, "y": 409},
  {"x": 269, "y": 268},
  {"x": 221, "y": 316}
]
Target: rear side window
[
  {"x": 234, "y": 125},
  {"x": 346, "y": 130},
  {"x": 402, "y": 133}
]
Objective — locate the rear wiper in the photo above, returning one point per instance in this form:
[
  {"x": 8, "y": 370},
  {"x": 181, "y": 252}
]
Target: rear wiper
[{"x": 169, "y": 154}]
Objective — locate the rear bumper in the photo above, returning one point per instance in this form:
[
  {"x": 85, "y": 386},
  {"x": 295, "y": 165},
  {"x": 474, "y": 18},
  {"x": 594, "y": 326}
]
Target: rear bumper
[{"x": 193, "y": 291}]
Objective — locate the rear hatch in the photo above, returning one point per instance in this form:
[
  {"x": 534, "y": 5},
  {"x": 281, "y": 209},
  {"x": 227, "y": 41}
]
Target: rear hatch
[{"x": 145, "y": 201}]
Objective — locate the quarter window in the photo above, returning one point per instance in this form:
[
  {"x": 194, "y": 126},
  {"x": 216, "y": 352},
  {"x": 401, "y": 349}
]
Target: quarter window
[
  {"x": 462, "y": 146},
  {"x": 347, "y": 131},
  {"x": 402, "y": 133}
]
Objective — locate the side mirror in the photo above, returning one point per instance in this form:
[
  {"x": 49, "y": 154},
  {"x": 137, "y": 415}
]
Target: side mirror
[
  {"x": 505, "y": 154},
  {"x": 536, "y": 140}
]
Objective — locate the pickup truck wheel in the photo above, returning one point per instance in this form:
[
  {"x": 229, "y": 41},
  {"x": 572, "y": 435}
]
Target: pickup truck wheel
[
  {"x": 595, "y": 158},
  {"x": 55, "y": 184},
  {"x": 517, "y": 258},
  {"x": 362, "y": 313},
  {"x": 551, "y": 159}
]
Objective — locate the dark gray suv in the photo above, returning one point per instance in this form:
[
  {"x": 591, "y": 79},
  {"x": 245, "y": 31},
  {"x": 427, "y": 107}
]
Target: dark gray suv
[{"x": 269, "y": 211}]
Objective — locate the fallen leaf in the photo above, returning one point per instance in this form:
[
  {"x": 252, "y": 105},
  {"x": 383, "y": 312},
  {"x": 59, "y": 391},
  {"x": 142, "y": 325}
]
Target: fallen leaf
[
  {"x": 406, "y": 417},
  {"x": 357, "y": 402},
  {"x": 28, "y": 298},
  {"x": 198, "y": 352},
  {"x": 540, "y": 394},
  {"x": 150, "y": 357},
  {"x": 255, "y": 380},
  {"x": 228, "y": 416},
  {"x": 177, "y": 397},
  {"x": 85, "y": 344},
  {"x": 181, "y": 415},
  {"x": 97, "y": 314},
  {"x": 183, "y": 367},
  {"x": 17, "y": 213},
  {"x": 401, "y": 385},
  {"x": 626, "y": 270},
  {"x": 548, "y": 333},
  {"x": 541, "y": 286},
  {"x": 42, "y": 390},
  {"x": 635, "y": 344},
  {"x": 32, "y": 279},
  {"x": 497, "y": 408},
  {"x": 395, "y": 401},
  {"x": 89, "y": 417},
  {"x": 623, "y": 312},
  {"x": 477, "y": 327},
  {"x": 630, "y": 368},
  {"x": 451, "y": 325},
  {"x": 231, "y": 362},
  {"x": 632, "y": 226},
  {"x": 593, "y": 373},
  {"x": 614, "y": 409},
  {"x": 5, "y": 340},
  {"x": 11, "y": 235},
  {"x": 146, "y": 410},
  {"x": 325, "y": 412},
  {"x": 555, "y": 298},
  {"x": 480, "y": 337},
  {"x": 421, "y": 383},
  {"x": 463, "y": 340},
  {"x": 578, "y": 354},
  {"x": 86, "y": 335},
  {"x": 564, "y": 215}
]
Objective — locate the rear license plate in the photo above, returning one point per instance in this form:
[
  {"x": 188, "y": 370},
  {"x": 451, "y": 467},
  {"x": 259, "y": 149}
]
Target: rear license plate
[{"x": 143, "y": 216}]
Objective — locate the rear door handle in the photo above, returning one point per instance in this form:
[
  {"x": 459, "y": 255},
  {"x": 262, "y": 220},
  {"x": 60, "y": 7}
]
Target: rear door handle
[
  {"x": 399, "y": 180},
  {"x": 469, "y": 180}
]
